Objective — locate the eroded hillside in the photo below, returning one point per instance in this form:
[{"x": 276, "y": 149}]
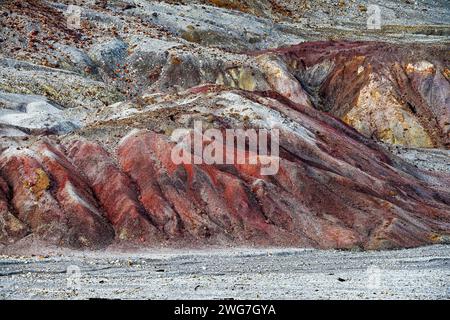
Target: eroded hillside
[{"x": 86, "y": 114}]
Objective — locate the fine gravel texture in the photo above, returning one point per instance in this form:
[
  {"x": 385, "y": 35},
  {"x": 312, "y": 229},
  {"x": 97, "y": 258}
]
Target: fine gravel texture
[
  {"x": 427, "y": 159},
  {"x": 240, "y": 273}
]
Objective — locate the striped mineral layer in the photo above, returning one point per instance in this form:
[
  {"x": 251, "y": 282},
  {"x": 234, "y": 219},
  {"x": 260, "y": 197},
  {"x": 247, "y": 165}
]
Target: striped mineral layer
[{"x": 87, "y": 111}]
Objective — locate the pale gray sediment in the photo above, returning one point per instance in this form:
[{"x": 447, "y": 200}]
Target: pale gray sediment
[
  {"x": 427, "y": 159},
  {"x": 420, "y": 273}
]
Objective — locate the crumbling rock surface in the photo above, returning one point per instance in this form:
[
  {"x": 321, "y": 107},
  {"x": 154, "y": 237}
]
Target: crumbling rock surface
[
  {"x": 86, "y": 115},
  {"x": 334, "y": 188},
  {"x": 50, "y": 198},
  {"x": 395, "y": 93},
  {"x": 114, "y": 191},
  {"x": 11, "y": 228}
]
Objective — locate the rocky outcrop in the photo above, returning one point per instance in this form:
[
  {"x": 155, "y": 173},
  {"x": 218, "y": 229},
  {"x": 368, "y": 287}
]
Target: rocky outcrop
[
  {"x": 395, "y": 94},
  {"x": 31, "y": 113},
  {"x": 11, "y": 228},
  {"x": 334, "y": 188},
  {"x": 87, "y": 111},
  {"x": 122, "y": 50},
  {"x": 52, "y": 200},
  {"x": 65, "y": 88},
  {"x": 114, "y": 191}
]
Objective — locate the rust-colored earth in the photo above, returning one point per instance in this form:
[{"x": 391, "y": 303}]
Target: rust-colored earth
[{"x": 87, "y": 113}]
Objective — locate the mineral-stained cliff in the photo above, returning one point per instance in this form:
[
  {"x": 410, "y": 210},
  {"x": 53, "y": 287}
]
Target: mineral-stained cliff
[
  {"x": 396, "y": 94},
  {"x": 86, "y": 115}
]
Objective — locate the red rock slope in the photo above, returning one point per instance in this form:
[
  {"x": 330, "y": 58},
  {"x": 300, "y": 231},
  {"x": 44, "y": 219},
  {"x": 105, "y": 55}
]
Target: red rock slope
[{"x": 334, "y": 189}]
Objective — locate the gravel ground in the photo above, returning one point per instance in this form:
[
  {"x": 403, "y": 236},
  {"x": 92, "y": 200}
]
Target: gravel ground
[
  {"x": 421, "y": 273},
  {"x": 428, "y": 159}
]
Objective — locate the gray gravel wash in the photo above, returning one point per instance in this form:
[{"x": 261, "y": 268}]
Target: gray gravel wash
[{"x": 420, "y": 273}]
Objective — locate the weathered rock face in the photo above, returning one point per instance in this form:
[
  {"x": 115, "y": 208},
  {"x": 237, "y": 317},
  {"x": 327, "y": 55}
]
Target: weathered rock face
[
  {"x": 32, "y": 114},
  {"x": 396, "y": 94},
  {"x": 114, "y": 191},
  {"x": 86, "y": 112},
  {"x": 334, "y": 188},
  {"x": 11, "y": 228},
  {"x": 50, "y": 198}
]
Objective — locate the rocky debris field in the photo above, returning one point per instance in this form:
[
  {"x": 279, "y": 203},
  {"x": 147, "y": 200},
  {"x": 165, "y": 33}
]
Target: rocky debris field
[
  {"x": 87, "y": 110},
  {"x": 241, "y": 273}
]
